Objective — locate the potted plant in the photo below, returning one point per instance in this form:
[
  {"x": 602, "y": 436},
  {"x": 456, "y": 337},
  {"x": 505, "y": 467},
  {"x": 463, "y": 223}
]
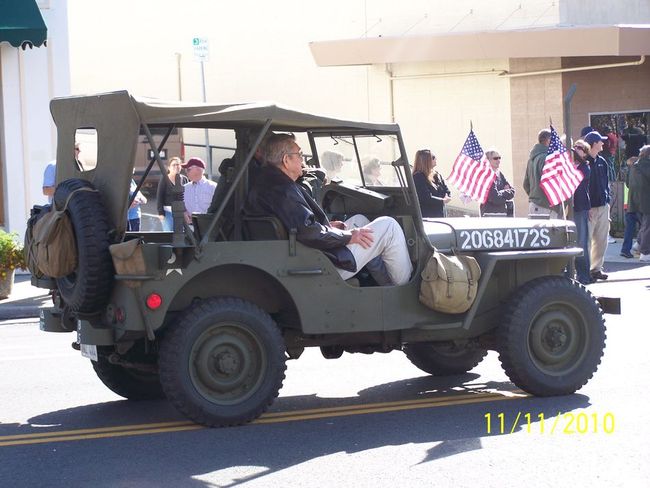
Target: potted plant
[{"x": 11, "y": 257}]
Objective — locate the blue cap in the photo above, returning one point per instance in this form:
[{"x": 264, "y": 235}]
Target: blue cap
[{"x": 594, "y": 136}]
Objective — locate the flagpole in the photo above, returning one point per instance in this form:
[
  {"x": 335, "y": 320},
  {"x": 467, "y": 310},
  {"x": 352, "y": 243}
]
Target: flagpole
[{"x": 571, "y": 268}]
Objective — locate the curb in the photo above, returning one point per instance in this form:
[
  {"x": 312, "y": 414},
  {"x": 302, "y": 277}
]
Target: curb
[{"x": 19, "y": 312}]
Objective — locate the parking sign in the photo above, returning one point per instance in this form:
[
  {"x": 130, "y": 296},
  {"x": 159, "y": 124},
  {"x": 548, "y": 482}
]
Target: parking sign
[{"x": 201, "y": 49}]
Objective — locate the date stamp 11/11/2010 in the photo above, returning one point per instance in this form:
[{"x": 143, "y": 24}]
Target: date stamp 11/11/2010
[{"x": 568, "y": 423}]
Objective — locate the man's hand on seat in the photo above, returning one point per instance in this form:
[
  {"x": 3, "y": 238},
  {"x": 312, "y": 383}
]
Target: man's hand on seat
[
  {"x": 337, "y": 224},
  {"x": 362, "y": 236}
]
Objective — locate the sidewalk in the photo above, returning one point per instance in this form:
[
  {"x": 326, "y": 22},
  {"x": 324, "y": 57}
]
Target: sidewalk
[{"x": 26, "y": 300}]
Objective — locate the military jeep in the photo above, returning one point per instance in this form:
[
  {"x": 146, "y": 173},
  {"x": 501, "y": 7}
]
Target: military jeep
[{"x": 208, "y": 314}]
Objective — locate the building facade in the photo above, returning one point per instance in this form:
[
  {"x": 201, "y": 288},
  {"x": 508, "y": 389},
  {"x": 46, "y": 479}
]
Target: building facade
[
  {"x": 29, "y": 78},
  {"x": 434, "y": 67}
]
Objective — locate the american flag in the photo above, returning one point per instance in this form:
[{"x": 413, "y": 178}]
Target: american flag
[
  {"x": 471, "y": 173},
  {"x": 560, "y": 177}
]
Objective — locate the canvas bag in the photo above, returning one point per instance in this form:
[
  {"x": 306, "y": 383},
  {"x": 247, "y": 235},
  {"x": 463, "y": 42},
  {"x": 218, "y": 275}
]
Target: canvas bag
[
  {"x": 449, "y": 283},
  {"x": 128, "y": 259},
  {"x": 53, "y": 245},
  {"x": 36, "y": 213}
]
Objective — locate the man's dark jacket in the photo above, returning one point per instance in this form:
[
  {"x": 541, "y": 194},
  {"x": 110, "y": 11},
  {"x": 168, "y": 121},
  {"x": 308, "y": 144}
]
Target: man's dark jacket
[
  {"x": 639, "y": 183},
  {"x": 274, "y": 193},
  {"x": 598, "y": 181}
]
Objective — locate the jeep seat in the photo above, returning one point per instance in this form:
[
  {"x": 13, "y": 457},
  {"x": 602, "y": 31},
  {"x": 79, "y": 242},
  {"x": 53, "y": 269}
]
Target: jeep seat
[{"x": 263, "y": 228}]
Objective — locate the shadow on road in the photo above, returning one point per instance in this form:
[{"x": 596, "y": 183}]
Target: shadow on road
[{"x": 240, "y": 454}]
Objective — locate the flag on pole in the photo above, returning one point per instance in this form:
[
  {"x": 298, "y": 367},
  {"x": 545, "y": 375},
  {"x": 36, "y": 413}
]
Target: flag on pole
[
  {"x": 471, "y": 172},
  {"x": 560, "y": 177}
]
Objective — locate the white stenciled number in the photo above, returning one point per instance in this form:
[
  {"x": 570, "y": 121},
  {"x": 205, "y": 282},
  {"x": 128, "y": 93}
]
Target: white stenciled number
[
  {"x": 477, "y": 242},
  {"x": 498, "y": 238},
  {"x": 522, "y": 234},
  {"x": 464, "y": 235},
  {"x": 508, "y": 238},
  {"x": 534, "y": 233},
  {"x": 545, "y": 238}
]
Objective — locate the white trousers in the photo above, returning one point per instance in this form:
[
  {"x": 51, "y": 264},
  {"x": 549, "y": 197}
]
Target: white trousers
[
  {"x": 388, "y": 242},
  {"x": 598, "y": 233}
]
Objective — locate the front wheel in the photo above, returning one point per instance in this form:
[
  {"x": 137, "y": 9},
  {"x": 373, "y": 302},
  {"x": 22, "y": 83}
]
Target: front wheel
[
  {"x": 552, "y": 337},
  {"x": 129, "y": 383},
  {"x": 222, "y": 362}
]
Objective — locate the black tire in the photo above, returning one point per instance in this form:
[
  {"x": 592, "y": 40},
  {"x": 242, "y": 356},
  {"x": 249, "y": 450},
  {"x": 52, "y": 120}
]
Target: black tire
[
  {"x": 552, "y": 338},
  {"x": 127, "y": 382},
  {"x": 222, "y": 362},
  {"x": 87, "y": 289},
  {"x": 443, "y": 358}
]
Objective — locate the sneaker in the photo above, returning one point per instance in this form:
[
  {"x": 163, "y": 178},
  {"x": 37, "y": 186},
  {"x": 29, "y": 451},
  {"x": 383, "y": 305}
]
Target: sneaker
[
  {"x": 599, "y": 275},
  {"x": 635, "y": 248},
  {"x": 644, "y": 258},
  {"x": 611, "y": 240},
  {"x": 626, "y": 254}
]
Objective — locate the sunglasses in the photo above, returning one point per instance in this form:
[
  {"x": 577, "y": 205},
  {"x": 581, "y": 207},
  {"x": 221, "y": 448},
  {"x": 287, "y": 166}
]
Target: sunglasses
[{"x": 496, "y": 157}]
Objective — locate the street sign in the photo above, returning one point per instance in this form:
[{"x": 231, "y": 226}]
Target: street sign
[{"x": 201, "y": 49}]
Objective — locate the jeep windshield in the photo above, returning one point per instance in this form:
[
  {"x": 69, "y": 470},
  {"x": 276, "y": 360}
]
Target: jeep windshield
[{"x": 362, "y": 160}]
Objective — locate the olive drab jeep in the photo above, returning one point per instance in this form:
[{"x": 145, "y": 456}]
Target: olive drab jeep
[{"x": 208, "y": 314}]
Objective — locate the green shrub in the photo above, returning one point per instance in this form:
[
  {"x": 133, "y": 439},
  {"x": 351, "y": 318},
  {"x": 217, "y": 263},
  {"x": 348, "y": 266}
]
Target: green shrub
[{"x": 11, "y": 253}]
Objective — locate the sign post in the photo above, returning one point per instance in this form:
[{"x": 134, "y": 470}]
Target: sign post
[{"x": 201, "y": 48}]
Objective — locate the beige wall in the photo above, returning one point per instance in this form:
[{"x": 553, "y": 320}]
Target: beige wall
[
  {"x": 435, "y": 104},
  {"x": 535, "y": 100},
  {"x": 259, "y": 51}
]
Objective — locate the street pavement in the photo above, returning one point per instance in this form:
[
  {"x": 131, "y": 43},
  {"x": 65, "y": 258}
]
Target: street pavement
[{"x": 26, "y": 300}]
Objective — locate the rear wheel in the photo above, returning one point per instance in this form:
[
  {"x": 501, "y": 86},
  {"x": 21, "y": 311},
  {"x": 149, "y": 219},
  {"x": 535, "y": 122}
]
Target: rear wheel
[
  {"x": 552, "y": 338},
  {"x": 223, "y": 362},
  {"x": 443, "y": 358}
]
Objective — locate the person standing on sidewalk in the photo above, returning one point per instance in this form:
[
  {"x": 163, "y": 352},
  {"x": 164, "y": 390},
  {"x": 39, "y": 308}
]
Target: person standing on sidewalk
[
  {"x": 640, "y": 199},
  {"x": 599, "y": 197},
  {"x": 631, "y": 215},
  {"x": 581, "y": 207},
  {"x": 538, "y": 204}
]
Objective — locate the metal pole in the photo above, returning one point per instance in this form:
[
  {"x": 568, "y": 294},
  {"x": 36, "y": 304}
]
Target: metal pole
[
  {"x": 208, "y": 151},
  {"x": 569, "y": 143},
  {"x": 178, "y": 76}
]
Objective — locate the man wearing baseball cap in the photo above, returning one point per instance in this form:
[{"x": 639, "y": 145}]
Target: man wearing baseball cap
[
  {"x": 599, "y": 197},
  {"x": 199, "y": 190}
]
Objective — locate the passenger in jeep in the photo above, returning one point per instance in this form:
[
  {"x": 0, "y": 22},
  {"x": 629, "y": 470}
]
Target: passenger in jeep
[{"x": 350, "y": 249}]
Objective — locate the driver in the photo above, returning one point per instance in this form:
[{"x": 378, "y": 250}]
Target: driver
[{"x": 349, "y": 245}]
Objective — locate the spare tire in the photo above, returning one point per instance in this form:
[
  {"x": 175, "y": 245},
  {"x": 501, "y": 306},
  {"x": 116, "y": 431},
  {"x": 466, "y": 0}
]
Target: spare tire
[{"x": 87, "y": 289}]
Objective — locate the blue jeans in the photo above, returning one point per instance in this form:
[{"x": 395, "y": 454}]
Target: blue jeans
[
  {"x": 133, "y": 225},
  {"x": 168, "y": 223},
  {"x": 631, "y": 221},
  {"x": 581, "y": 220}
]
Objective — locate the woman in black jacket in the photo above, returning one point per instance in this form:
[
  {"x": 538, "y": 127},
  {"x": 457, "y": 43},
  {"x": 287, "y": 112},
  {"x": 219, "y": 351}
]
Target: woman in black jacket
[
  {"x": 165, "y": 193},
  {"x": 431, "y": 188}
]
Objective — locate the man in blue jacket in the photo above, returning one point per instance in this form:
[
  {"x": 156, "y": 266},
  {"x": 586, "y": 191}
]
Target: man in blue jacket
[{"x": 599, "y": 198}]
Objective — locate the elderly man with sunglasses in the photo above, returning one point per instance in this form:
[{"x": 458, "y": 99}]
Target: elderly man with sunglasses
[
  {"x": 349, "y": 245},
  {"x": 499, "y": 200}
]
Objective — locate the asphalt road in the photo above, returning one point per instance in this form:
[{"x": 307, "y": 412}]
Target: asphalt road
[{"x": 356, "y": 421}]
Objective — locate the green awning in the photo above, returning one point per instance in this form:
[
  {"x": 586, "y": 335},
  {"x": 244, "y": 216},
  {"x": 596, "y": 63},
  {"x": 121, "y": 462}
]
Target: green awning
[{"x": 21, "y": 23}]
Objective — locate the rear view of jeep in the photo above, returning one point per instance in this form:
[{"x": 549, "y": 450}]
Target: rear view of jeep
[{"x": 207, "y": 315}]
